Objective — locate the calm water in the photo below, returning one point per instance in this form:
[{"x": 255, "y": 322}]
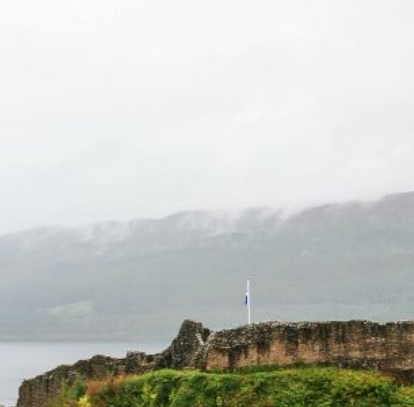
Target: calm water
[{"x": 20, "y": 361}]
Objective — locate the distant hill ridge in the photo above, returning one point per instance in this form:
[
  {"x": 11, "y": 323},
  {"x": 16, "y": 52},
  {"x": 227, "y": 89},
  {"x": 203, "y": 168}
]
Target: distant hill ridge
[
  {"x": 219, "y": 222},
  {"x": 114, "y": 279}
]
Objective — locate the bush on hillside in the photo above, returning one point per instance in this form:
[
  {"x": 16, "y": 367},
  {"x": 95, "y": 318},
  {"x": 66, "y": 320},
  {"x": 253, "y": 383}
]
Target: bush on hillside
[{"x": 296, "y": 387}]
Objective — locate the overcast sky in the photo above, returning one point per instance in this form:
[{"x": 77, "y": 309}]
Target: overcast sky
[{"x": 116, "y": 109}]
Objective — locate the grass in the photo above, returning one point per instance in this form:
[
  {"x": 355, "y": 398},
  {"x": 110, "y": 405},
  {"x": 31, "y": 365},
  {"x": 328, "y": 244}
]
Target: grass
[{"x": 294, "y": 387}]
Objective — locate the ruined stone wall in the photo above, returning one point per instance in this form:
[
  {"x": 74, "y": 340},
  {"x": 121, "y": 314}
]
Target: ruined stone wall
[
  {"x": 39, "y": 391},
  {"x": 385, "y": 347}
]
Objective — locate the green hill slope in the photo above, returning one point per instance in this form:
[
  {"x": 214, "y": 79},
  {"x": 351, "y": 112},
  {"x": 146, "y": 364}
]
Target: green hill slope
[
  {"x": 123, "y": 281},
  {"x": 297, "y": 387}
]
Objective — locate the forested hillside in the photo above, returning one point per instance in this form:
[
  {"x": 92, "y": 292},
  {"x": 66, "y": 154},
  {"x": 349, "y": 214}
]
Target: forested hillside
[{"x": 121, "y": 280}]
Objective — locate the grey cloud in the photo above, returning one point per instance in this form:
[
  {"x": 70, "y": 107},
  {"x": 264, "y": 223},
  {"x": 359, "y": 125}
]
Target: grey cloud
[{"x": 118, "y": 109}]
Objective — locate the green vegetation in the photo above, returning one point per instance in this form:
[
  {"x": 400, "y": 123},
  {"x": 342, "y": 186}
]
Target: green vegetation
[{"x": 296, "y": 387}]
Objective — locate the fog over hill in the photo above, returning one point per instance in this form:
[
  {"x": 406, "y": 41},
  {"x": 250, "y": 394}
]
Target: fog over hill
[{"x": 139, "y": 279}]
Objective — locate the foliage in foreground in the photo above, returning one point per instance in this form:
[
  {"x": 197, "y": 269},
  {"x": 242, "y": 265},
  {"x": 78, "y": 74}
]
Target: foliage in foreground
[{"x": 299, "y": 387}]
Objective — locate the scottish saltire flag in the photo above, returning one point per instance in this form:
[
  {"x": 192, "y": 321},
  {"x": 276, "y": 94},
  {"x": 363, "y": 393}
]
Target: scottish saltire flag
[{"x": 247, "y": 298}]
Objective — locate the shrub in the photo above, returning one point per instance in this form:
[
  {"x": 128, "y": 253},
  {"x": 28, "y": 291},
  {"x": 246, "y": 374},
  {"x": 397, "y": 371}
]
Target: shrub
[{"x": 289, "y": 387}]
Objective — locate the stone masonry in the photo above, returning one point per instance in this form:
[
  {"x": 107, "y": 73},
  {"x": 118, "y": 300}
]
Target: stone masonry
[{"x": 358, "y": 344}]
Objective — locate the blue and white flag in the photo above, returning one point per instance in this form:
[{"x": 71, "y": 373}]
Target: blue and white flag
[{"x": 247, "y": 298}]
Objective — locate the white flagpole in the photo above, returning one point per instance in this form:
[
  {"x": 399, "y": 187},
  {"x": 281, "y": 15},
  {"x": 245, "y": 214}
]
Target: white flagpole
[{"x": 248, "y": 301}]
